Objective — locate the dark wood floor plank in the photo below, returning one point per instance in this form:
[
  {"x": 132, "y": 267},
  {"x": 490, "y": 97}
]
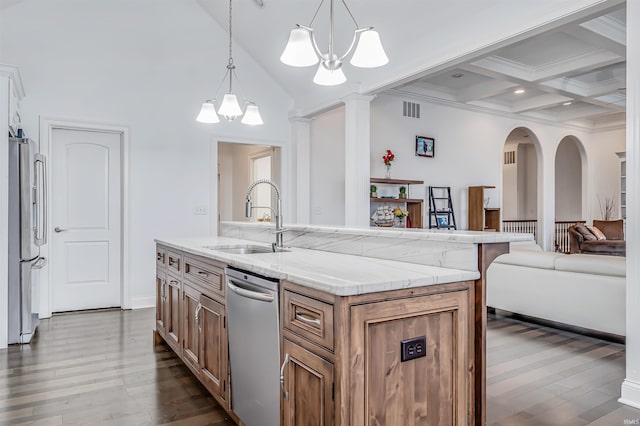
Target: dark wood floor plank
[
  {"x": 556, "y": 378},
  {"x": 101, "y": 368}
]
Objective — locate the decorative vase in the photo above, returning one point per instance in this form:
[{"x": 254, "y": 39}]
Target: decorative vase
[{"x": 387, "y": 173}]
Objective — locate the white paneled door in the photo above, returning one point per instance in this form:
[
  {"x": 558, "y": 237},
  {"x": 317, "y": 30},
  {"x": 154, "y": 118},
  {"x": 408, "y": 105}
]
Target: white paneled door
[{"x": 86, "y": 217}]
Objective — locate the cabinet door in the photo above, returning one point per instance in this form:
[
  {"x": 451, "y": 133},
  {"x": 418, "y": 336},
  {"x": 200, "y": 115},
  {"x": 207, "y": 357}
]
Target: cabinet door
[
  {"x": 172, "y": 314},
  {"x": 308, "y": 379},
  {"x": 430, "y": 390},
  {"x": 190, "y": 328},
  {"x": 213, "y": 347},
  {"x": 161, "y": 288}
]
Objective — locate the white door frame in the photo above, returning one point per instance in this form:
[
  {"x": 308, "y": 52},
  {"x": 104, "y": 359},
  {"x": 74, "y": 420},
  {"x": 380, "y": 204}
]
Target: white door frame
[
  {"x": 287, "y": 196},
  {"x": 47, "y": 125}
]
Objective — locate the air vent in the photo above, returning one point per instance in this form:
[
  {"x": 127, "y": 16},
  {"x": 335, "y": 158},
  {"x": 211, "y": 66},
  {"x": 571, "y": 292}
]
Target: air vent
[
  {"x": 410, "y": 109},
  {"x": 510, "y": 157}
]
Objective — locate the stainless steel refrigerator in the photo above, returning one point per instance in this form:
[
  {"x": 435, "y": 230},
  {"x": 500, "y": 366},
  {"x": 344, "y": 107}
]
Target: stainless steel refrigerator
[{"x": 27, "y": 233}]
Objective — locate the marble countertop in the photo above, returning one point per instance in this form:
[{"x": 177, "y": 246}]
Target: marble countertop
[
  {"x": 463, "y": 236},
  {"x": 334, "y": 273}
]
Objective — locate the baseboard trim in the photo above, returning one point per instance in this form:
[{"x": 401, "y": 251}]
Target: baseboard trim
[
  {"x": 143, "y": 302},
  {"x": 610, "y": 337},
  {"x": 630, "y": 394}
]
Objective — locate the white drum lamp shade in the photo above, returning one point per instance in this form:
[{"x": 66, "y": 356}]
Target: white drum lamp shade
[{"x": 208, "y": 113}]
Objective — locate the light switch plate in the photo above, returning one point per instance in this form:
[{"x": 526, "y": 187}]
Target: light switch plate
[{"x": 200, "y": 210}]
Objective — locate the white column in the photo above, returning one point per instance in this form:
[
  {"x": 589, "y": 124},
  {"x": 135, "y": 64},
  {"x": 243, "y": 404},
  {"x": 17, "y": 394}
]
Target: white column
[
  {"x": 357, "y": 142},
  {"x": 631, "y": 384},
  {"x": 546, "y": 198},
  {"x": 4, "y": 209},
  {"x": 301, "y": 169}
]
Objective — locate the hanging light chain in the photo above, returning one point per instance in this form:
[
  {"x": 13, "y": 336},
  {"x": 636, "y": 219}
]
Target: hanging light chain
[
  {"x": 316, "y": 14},
  {"x": 350, "y": 14},
  {"x": 230, "y": 66},
  {"x": 230, "y": 34}
]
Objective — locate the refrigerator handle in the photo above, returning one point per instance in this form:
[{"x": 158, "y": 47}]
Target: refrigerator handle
[{"x": 41, "y": 234}]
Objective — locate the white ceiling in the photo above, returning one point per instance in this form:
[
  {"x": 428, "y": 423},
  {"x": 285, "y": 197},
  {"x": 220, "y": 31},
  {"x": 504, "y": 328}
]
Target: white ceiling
[
  {"x": 574, "y": 74},
  {"x": 553, "y": 59}
]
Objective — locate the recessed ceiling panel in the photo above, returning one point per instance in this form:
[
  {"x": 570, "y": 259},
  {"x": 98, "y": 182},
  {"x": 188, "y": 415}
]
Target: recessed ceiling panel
[
  {"x": 576, "y": 108},
  {"x": 613, "y": 72},
  {"x": 619, "y": 99},
  {"x": 545, "y": 49},
  {"x": 455, "y": 79},
  {"x": 511, "y": 97}
]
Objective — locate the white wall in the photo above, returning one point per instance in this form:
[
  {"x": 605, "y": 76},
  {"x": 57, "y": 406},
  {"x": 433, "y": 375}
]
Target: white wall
[
  {"x": 527, "y": 181},
  {"x": 604, "y": 169},
  {"x": 92, "y": 60},
  {"x": 568, "y": 181},
  {"x": 327, "y": 168},
  {"x": 468, "y": 151},
  {"x": 510, "y": 185}
]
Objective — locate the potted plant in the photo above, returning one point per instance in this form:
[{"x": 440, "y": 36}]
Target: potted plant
[
  {"x": 403, "y": 192},
  {"x": 374, "y": 191}
]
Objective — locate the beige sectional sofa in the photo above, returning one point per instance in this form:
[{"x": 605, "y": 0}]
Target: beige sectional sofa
[{"x": 579, "y": 290}]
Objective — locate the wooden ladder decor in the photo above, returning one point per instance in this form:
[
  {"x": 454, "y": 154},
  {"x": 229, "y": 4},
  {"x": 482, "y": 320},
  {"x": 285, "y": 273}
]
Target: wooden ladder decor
[{"x": 441, "y": 215}]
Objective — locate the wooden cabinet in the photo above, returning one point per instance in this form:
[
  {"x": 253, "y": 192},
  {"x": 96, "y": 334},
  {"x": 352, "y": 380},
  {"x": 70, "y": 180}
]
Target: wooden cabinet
[
  {"x": 190, "y": 328},
  {"x": 161, "y": 291},
  {"x": 481, "y": 217},
  {"x": 391, "y": 188},
  {"x": 429, "y": 390},
  {"x": 172, "y": 323},
  {"x": 191, "y": 316},
  {"x": 308, "y": 383},
  {"x": 366, "y": 375},
  {"x": 212, "y": 325}
]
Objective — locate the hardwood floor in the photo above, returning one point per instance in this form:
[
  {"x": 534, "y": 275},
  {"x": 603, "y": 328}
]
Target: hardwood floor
[
  {"x": 100, "y": 368},
  {"x": 543, "y": 376}
]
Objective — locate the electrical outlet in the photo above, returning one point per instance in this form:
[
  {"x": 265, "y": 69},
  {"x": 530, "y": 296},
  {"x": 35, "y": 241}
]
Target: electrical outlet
[
  {"x": 200, "y": 210},
  {"x": 317, "y": 211},
  {"x": 413, "y": 348}
]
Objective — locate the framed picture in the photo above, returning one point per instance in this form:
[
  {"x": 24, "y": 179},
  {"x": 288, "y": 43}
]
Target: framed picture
[
  {"x": 425, "y": 147},
  {"x": 443, "y": 221}
]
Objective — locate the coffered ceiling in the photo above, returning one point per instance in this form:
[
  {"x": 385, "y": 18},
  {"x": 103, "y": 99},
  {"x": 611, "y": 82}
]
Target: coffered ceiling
[
  {"x": 575, "y": 74},
  {"x": 558, "y": 51}
]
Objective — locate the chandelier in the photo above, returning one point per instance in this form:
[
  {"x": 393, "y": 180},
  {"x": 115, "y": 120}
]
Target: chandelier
[
  {"x": 302, "y": 50},
  {"x": 229, "y": 107}
]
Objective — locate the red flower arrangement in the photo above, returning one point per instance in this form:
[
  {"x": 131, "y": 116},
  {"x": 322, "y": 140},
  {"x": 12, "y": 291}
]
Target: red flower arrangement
[{"x": 388, "y": 158}]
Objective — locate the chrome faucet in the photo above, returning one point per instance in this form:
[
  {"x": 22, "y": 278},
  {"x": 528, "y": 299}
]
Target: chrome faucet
[{"x": 278, "y": 245}]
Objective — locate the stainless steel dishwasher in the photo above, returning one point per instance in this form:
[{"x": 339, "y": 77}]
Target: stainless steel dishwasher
[{"x": 254, "y": 347}]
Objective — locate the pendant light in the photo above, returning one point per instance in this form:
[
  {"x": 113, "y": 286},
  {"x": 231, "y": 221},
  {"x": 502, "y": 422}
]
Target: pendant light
[
  {"x": 229, "y": 107},
  {"x": 302, "y": 50}
]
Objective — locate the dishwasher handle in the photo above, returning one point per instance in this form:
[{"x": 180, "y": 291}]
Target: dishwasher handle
[{"x": 256, "y": 295}]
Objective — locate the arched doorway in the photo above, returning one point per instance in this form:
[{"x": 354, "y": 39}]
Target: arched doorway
[
  {"x": 520, "y": 182},
  {"x": 569, "y": 189}
]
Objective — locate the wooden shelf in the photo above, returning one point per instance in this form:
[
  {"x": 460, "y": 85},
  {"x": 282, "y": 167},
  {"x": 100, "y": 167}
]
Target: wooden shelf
[
  {"x": 396, "y": 181},
  {"x": 397, "y": 200},
  {"x": 414, "y": 205},
  {"x": 481, "y": 218}
]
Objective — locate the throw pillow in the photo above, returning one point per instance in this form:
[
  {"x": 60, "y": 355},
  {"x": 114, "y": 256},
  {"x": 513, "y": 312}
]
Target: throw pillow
[
  {"x": 584, "y": 231},
  {"x": 598, "y": 233}
]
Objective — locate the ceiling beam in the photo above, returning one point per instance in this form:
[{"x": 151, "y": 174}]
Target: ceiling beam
[
  {"x": 484, "y": 90},
  {"x": 538, "y": 102}
]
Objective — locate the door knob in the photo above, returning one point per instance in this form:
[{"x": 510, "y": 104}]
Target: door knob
[{"x": 58, "y": 229}]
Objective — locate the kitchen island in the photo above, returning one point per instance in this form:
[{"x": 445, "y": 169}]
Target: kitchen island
[{"x": 364, "y": 339}]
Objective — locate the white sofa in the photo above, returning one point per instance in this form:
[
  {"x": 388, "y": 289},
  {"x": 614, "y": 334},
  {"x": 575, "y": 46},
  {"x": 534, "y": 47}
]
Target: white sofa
[{"x": 580, "y": 290}]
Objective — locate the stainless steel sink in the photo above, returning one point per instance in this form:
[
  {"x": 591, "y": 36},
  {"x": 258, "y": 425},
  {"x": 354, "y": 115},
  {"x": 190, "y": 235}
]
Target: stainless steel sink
[{"x": 242, "y": 249}]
